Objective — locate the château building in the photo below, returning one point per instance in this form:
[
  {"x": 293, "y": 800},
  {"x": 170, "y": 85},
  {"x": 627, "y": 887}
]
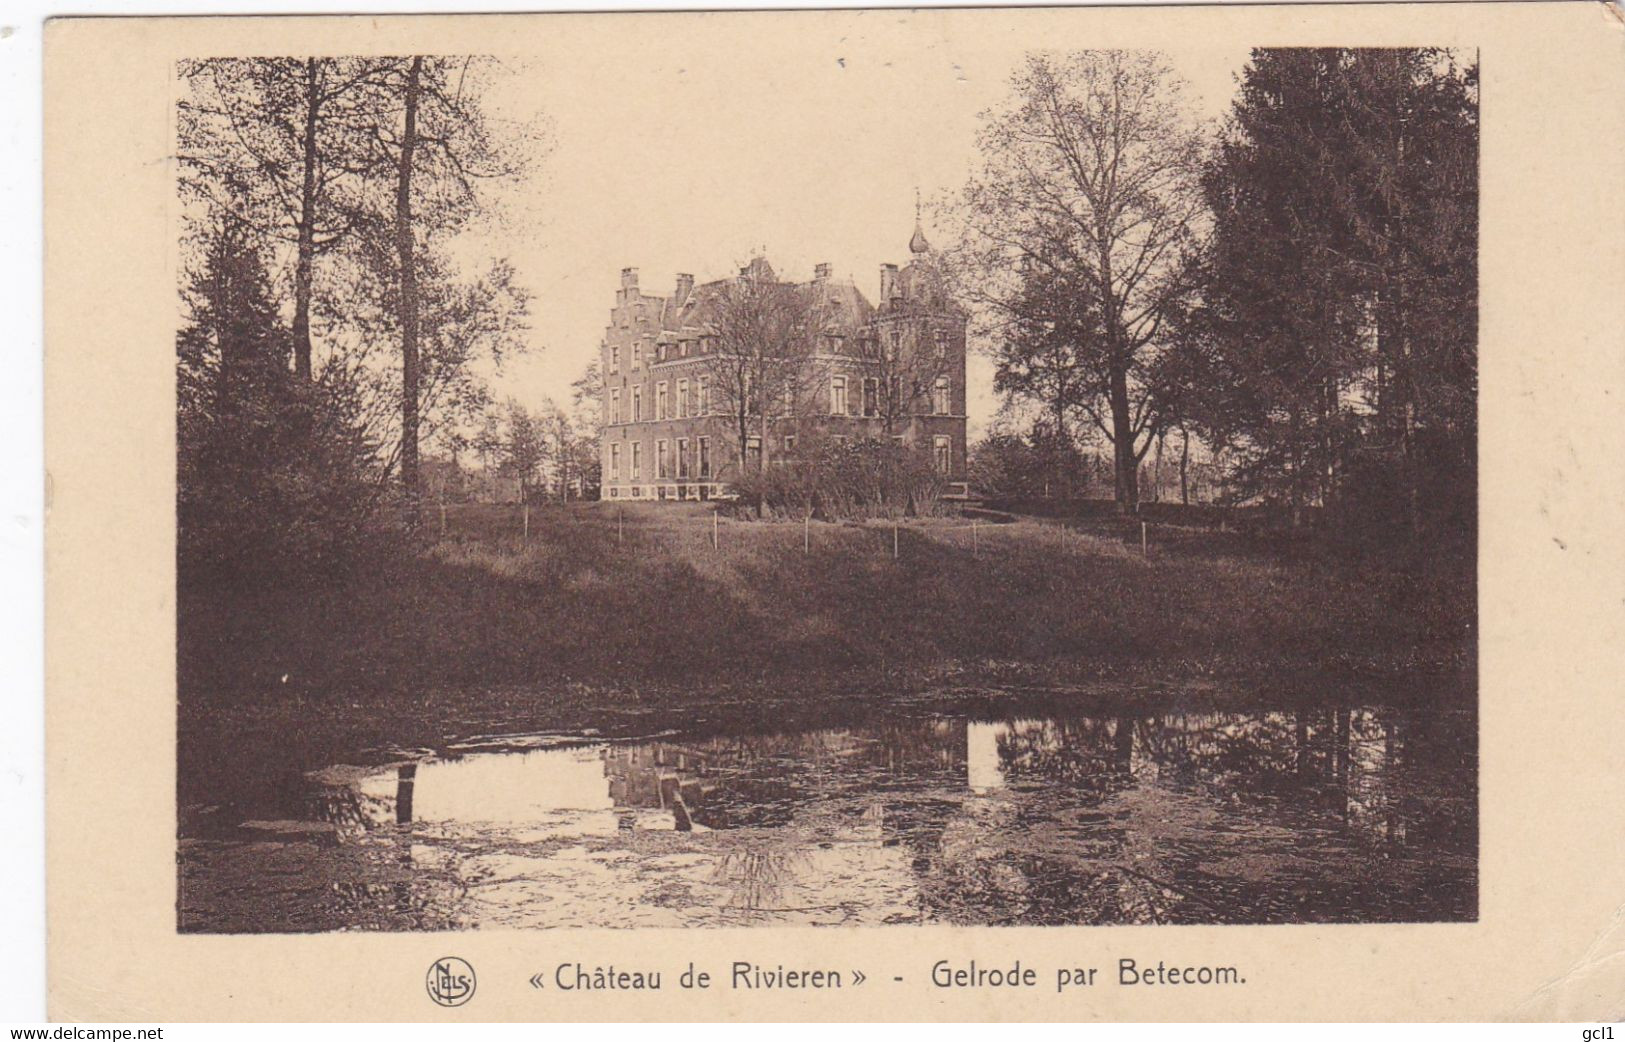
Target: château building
[{"x": 895, "y": 368}]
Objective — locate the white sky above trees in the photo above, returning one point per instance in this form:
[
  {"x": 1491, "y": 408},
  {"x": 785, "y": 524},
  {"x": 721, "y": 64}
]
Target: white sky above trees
[{"x": 804, "y": 137}]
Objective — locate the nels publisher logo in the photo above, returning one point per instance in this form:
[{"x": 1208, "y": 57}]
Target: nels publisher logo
[{"x": 450, "y": 981}]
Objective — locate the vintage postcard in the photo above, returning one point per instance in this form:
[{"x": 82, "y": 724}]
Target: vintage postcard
[{"x": 1054, "y": 514}]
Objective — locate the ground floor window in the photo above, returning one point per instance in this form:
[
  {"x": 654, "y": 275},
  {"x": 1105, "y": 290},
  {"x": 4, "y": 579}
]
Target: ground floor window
[
  {"x": 662, "y": 460},
  {"x": 705, "y": 457},
  {"x": 637, "y": 461},
  {"x": 682, "y": 457},
  {"x": 614, "y": 463},
  {"x": 942, "y": 453}
]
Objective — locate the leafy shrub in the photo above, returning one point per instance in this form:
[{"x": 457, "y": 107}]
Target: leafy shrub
[{"x": 846, "y": 481}]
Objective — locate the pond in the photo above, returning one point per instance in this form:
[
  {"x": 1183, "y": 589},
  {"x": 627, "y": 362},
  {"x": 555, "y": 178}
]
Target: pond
[{"x": 1355, "y": 813}]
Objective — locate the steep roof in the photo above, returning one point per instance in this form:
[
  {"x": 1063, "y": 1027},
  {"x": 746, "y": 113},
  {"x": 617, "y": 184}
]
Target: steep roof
[{"x": 850, "y": 310}]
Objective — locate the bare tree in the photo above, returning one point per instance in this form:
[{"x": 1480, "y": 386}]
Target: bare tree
[
  {"x": 282, "y": 143},
  {"x": 1089, "y": 193},
  {"x": 761, "y": 356},
  {"x": 436, "y": 157}
]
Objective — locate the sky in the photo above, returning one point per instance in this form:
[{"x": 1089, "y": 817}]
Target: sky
[{"x": 688, "y": 143}]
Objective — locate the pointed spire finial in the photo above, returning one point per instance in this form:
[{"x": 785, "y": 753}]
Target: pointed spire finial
[{"x": 917, "y": 244}]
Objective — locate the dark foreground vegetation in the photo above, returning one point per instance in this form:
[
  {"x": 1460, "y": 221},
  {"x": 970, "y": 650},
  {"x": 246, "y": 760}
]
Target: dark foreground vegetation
[{"x": 638, "y": 597}]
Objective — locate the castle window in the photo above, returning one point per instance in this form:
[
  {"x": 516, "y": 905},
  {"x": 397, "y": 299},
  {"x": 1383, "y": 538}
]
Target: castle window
[
  {"x": 682, "y": 457},
  {"x": 837, "y": 396},
  {"x": 662, "y": 464},
  {"x": 614, "y": 463},
  {"x": 789, "y": 443},
  {"x": 942, "y": 343},
  {"x": 871, "y": 396},
  {"x": 704, "y": 407},
  {"x": 895, "y": 345},
  {"x": 637, "y": 405},
  {"x": 614, "y": 405},
  {"x": 614, "y": 359},
  {"x": 661, "y": 410},
  {"x": 637, "y": 461},
  {"x": 682, "y": 399},
  {"x": 940, "y": 395},
  {"x": 705, "y": 457},
  {"x": 942, "y": 453},
  {"x": 637, "y": 354}
]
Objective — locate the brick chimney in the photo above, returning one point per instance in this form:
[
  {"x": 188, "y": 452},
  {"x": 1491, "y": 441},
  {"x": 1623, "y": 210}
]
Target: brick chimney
[
  {"x": 685, "y": 286},
  {"x": 821, "y": 272},
  {"x": 629, "y": 279},
  {"x": 889, "y": 288}
]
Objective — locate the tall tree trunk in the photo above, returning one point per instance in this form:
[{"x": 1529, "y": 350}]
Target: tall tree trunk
[
  {"x": 761, "y": 456},
  {"x": 1156, "y": 470},
  {"x": 1063, "y": 438},
  {"x": 1126, "y": 463},
  {"x": 407, "y": 251},
  {"x": 307, "y": 228},
  {"x": 1184, "y": 465}
]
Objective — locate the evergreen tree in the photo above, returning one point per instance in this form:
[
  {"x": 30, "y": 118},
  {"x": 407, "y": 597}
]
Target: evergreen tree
[
  {"x": 1335, "y": 339},
  {"x": 270, "y": 472}
]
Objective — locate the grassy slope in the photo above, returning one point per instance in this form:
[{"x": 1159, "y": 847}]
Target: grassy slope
[{"x": 662, "y": 610}]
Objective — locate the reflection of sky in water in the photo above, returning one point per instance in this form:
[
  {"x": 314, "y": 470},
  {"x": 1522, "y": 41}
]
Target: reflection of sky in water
[{"x": 1312, "y": 815}]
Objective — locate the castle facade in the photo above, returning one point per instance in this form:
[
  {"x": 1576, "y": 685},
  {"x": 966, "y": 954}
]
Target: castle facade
[{"x": 893, "y": 369}]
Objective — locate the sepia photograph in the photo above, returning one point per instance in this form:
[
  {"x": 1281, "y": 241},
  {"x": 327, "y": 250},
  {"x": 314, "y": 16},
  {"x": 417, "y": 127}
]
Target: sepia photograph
[{"x": 898, "y": 481}]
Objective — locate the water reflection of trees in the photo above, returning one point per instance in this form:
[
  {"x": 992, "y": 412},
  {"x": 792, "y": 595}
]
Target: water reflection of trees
[
  {"x": 1314, "y": 815},
  {"x": 1304, "y": 814}
]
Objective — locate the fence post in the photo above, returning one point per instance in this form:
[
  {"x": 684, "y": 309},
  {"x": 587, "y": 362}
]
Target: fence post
[
  {"x": 806, "y": 534},
  {"x": 715, "y": 542},
  {"x": 442, "y": 519},
  {"x": 975, "y": 543},
  {"x": 618, "y": 512},
  {"x": 527, "y": 522},
  {"x": 1144, "y": 546},
  {"x": 894, "y": 539}
]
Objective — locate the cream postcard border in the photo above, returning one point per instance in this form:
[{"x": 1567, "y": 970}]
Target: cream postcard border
[{"x": 1550, "y": 940}]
